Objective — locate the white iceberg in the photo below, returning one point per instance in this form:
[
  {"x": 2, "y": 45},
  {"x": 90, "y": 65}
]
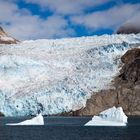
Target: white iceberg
[
  {"x": 110, "y": 117},
  {"x": 38, "y": 120}
]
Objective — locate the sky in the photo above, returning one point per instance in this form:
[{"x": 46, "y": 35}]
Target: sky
[{"x": 37, "y": 19}]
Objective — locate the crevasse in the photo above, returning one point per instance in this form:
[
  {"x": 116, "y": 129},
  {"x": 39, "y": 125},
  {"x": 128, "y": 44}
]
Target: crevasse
[{"x": 54, "y": 76}]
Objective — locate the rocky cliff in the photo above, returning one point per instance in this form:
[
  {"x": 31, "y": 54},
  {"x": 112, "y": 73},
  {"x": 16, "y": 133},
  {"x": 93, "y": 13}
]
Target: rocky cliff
[
  {"x": 1, "y": 114},
  {"x": 126, "y": 92},
  {"x": 5, "y": 38}
]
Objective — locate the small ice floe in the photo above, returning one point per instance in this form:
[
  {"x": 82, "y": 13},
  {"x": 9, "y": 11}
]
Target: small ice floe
[
  {"x": 110, "y": 117},
  {"x": 38, "y": 120}
]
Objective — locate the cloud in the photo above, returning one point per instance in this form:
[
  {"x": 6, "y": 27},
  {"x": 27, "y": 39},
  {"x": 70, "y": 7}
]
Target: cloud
[
  {"x": 67, "y": 7},
  {"x": 111, "y": 18},
  {"x": 66, "y": 16},
  {"x": 23, "y": 25},
  {"x": 33, "y": 27},
  {"x": 132, "y": 25},
  {"x": 134, "y": 20}
]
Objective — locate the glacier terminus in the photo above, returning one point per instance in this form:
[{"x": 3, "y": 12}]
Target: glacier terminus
[{"x": 55, "y": 76}]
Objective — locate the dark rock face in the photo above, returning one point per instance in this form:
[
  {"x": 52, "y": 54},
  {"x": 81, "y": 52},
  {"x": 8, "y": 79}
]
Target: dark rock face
[
  {"x": 126, "y": 92},
  {"x": 131, "y": 70},
  {"x": 128, "y": 29},
  {"x": 130, "y": 55},
  {"x": 5, "y": 38},
  {"x": 1, "y": 115}
]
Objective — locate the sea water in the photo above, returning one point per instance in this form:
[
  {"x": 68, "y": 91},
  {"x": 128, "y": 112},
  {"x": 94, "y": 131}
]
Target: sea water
[{"x": 68, "y": 128}]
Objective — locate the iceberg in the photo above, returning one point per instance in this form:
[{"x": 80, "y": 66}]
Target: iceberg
[
  {"x": 110, "y": 117},
  {"x": 38, "y": 120}
]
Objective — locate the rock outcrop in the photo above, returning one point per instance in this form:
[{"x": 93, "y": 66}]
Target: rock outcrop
[
  {"x": 1, "y": 115},
  {"x": 130, "y": 55},
  {"x": 131, "y": 70},
  {"x": 5, "y": 38},
  {"x": 126, "y": 92}
]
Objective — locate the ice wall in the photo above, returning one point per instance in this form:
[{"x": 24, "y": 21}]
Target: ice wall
[{"x": 54, "y": 76}]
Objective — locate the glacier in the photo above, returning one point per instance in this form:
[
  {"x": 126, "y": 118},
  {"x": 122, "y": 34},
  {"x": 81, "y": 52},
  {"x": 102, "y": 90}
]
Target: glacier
[{"x": 58, "y": 75}]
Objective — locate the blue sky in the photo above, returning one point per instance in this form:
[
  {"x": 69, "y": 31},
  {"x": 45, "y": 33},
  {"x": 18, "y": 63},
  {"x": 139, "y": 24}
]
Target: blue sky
[{"x": 34, "y": 19}]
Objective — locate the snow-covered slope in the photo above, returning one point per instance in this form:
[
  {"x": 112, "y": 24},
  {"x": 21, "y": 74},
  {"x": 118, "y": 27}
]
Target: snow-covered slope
[{"x": 54, "y": 76}]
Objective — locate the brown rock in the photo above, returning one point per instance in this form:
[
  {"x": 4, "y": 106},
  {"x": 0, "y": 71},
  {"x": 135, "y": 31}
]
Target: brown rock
[
  {"x": 126, "y": 92},
  {"x": 131, "y": 69},
  {"x": 130, "y": 55},
  {"x": 99, "y": 102},
  {"x": 5, "y": 38}
]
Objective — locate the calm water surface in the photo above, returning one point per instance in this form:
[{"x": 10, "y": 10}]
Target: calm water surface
[{"x": 68, "y": 128}]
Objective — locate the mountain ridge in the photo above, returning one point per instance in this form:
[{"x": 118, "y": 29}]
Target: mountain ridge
[{"x": 5, "y": 38}]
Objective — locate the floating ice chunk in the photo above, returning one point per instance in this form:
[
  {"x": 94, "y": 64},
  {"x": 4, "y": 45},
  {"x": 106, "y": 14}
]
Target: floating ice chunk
[
  {"x": 38, "y": 120},
  {"x": 110, "y": 117}
]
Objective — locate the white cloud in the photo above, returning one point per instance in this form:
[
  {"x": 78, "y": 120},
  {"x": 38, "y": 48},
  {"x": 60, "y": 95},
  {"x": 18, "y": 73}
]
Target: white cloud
[
  {"x": 21, "y": 24},
  {"x": 67, "y": 7},
  {"x": 111, "y": 18},
  {"x": 32, "y": 27},
  {"x": 134, "y": 21}
]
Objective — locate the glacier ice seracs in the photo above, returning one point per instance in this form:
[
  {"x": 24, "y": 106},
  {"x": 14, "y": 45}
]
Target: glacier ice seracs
[
  {"x": 110, "y": 117},
  {"x": 54, "y": 76},
  {"x": 38, "y": 120}
]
